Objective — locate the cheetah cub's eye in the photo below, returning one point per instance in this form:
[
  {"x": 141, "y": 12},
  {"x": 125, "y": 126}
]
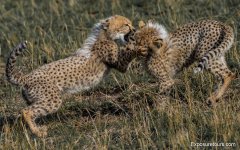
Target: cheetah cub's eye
[
  {"x": 156, "y": 45},
  {"x": 158, "y": 42},
  {"x": 130, "y": 27}
]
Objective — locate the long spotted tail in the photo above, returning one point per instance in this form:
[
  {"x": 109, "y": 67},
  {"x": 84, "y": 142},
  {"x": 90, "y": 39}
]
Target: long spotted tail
[
  {"x": 14, "y": 75},
  {"x": 225, "y": 42}
]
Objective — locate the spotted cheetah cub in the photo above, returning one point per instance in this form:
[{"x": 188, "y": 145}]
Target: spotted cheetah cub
[
  {"x": 42, "y": 88},
  {"x": 205, "y": 41}
]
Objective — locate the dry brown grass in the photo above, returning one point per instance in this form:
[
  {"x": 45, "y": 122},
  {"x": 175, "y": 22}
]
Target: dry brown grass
[{"x": 124, "y": 111}]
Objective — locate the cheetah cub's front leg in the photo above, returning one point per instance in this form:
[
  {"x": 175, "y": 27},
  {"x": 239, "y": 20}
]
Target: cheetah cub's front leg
[{"x": 156, "y": 67}]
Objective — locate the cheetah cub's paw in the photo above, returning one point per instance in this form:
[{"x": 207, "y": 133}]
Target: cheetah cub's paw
[
  {"x": 211, "y": 102},
  {"x": 41, "y": 131}
]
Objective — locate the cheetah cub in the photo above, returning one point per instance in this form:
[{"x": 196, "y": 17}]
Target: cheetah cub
[
  {"x": 42, "y": 88},
  {"x": 205, "y": 41}
]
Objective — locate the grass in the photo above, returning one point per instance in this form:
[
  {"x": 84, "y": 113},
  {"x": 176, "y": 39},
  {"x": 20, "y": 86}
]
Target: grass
[{"x": 124, "y": 111}]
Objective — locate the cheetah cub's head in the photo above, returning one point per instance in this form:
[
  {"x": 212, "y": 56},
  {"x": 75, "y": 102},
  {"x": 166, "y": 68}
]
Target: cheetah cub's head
[
  {"x": 118, "y": 28},
  {"x": 151, "y": 35}
]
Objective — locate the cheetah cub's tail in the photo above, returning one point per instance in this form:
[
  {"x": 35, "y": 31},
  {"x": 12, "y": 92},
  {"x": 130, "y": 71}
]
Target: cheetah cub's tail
[
  {"x": 14, "y": 75},
  {"x": 226, "y": 40}
]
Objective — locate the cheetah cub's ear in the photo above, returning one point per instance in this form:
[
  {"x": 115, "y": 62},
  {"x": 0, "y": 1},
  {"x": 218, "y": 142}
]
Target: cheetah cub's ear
[
  {"x": 105, "y": 23},
  {"x": 141, "y": 24}
]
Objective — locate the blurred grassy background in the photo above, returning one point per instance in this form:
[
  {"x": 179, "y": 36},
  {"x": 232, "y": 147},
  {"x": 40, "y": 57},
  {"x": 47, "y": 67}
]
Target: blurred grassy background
[{"x": 124, "y": 111}]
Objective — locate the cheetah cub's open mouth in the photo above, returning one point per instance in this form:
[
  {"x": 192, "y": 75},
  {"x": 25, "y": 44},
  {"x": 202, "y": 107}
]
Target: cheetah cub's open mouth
[{"x": 126, "y": 37}]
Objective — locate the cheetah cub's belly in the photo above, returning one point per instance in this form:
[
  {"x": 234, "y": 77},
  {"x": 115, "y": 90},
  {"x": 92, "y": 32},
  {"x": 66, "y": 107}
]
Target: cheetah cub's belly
[
  {"x": 92, "y": 81},
  {"x": 76, "y": 74}
]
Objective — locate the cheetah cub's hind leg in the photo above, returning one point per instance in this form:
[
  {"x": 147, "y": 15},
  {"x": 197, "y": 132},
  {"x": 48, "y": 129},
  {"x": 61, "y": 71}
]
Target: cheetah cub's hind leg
[
  {"x": 219, "y": 68},
  {"x": 43, "y": 105}
]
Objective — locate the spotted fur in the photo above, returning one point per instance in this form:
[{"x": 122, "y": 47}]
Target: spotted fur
[
  {"x": 205, "y": 42},
  {"x": 42, "y": 88}
]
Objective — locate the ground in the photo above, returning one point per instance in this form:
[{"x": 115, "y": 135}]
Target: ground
[{"x": 124, "y": 111}]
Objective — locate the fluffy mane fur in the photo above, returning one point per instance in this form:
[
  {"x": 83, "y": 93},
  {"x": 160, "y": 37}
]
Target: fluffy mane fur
[
  {"x": 160, "y": 28},
  {"x": 85, "y": 50}
]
